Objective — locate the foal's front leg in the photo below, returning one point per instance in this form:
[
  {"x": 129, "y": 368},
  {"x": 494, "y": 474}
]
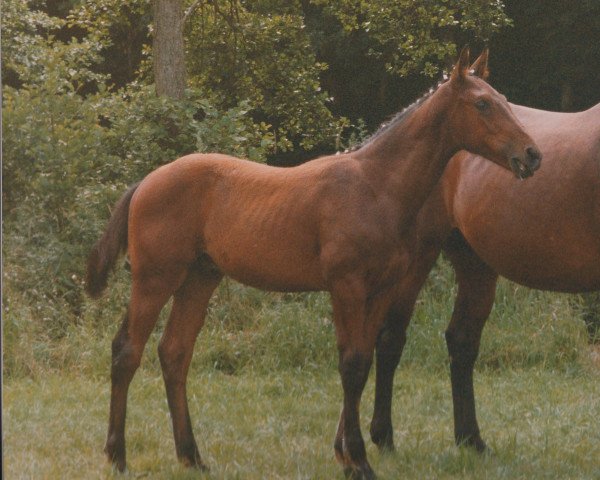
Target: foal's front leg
[
  {"x": 390, "y": 344},
  {"x": 357, "y": 326}
]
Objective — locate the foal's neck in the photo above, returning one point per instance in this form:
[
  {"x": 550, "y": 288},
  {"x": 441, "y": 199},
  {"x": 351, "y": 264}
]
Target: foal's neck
[{"x": 406, "y": 161}]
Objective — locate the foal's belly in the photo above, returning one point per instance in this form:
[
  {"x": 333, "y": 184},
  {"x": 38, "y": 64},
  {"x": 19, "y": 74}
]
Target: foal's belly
[
  {"x": 273, "y": 271},
  {"x": 276, "y": 257}
]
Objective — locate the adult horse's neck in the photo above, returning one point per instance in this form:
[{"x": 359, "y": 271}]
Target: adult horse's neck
[{"x": 406, "y": 160}]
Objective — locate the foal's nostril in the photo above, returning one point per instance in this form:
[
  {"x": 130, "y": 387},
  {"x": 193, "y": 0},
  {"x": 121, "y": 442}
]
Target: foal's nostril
[{"x": 534, "y": 158}]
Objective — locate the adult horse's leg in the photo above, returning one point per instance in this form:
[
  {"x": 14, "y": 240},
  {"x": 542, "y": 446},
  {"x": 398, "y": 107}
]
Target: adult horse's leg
[
  {"x": 357, "y": 324},
  {"x": 175, "y": 352},
  {"x": 390, "y": 344},
  {"x": 476, "y": 291},
  {"x": 149, "y": 294}
]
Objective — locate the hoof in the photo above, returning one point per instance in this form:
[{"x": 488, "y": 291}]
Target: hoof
[
  {"x": 189, "y": 456},
  {"x": 116, "y": 456},
  {"x": 474, "y": 442},
  {"x": 197, "y": 465},
  {"x": 364, "y": 472},
  {"x": 194, "y": 462},
  {"x": 201, "y": 466},
  {"x": 383, "y": 440}
]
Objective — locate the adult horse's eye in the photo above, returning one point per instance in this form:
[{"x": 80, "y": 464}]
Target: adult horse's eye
[{"x": 482, "y": 105}]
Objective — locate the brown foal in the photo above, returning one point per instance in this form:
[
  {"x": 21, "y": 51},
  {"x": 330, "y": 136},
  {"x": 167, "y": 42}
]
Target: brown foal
[{"x": 339, "y": 223}]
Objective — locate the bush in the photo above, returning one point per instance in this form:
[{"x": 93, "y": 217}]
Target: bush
[{"x": 68, "y": 157}]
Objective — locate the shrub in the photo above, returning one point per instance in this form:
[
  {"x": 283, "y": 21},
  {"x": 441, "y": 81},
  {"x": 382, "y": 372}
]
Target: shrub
[{"x": 68, "y": 157}]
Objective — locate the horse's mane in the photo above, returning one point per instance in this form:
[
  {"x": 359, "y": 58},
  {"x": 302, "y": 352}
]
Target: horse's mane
[{"x": 399, "y": 117}]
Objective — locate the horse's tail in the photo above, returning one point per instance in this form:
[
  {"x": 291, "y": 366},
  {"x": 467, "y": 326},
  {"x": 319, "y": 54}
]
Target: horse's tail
[{"x": 107, "y": 250}]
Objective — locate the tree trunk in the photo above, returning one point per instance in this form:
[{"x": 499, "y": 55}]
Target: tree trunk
[
  {"x": 566, "y": 97},
  {"x": 167, "y": 48}
]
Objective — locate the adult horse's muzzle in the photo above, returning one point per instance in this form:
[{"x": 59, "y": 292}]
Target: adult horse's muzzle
[{"x": 524, "y": 167}]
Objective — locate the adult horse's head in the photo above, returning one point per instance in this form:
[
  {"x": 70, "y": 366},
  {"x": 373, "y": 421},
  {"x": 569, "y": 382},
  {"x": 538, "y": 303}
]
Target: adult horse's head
[{"x": 481, "y": 121}]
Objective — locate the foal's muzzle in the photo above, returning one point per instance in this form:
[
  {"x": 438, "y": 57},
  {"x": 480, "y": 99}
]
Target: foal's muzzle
[{"x": 524, "y": 167}]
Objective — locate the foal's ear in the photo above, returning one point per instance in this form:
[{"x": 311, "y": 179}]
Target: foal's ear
[
  {"x": 480, "y": 66},
  {"x": 460, "y": 69}
]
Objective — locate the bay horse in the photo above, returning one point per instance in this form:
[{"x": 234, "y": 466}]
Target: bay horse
[
  {"x": 543, "y": 234},
  {"x": 337, "y": 224}
]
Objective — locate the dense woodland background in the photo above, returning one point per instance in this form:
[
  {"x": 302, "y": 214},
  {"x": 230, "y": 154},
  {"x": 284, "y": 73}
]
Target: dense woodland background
[{"x": 96, "y": 94}]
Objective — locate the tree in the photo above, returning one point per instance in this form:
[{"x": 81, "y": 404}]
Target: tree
[
  {"x": 168, "y": 48},
  {"x": 122, "y": 29},
  {"x": 551, "y": 58}
]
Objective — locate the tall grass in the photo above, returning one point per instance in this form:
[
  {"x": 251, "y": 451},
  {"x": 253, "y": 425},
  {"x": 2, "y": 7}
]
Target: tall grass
[
  {"x": 265, "y": 393},
  {"x": 248, "y": 328},
  {"x": 280, "y": 425}
]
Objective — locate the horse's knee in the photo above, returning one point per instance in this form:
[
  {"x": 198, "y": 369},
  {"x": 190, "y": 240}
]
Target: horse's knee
[
  {"x": 172, "y": 359},
  {"x": 354, "y": 370},
  {"x": 390, "y": 344}
]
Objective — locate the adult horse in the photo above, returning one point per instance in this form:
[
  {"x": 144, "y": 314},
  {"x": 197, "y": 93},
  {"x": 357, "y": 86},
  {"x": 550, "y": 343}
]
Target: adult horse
[
  {"x": 543, "y": 233},
  {"x": 337, "y": 223}
]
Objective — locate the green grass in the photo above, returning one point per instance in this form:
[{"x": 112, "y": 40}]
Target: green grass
[
  {"x": 265, "y": 394},
  {"x": 539, "y": 423}
]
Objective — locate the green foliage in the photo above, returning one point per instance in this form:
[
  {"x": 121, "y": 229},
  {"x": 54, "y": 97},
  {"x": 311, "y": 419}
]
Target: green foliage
[
  {"x": 418, "y": 35},
  {"x": 245, "y": 51},
  {"x": 526, "y": 328},
  {"x": 62, "y": 169},
  {"x": 22, "y": 44},
  {"x": 557, "y": 64},
  {"x": 250, "y": 329},
  {"x": 253, "y": 52},
  {"x": 52, "y": 145},
  {"x": 68, "y": 157},
  {"x": 32, "y": 55},
  {"x": 147, "y": 131},
  {"x": 121, "y": 30}
]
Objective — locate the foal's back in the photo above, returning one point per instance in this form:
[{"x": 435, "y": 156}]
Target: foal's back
[{"x": 261, "y": 225}]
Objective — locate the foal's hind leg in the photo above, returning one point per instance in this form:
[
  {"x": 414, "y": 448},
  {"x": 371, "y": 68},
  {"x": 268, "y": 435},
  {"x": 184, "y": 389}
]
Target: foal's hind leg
[
  {"x": 474, "y": 301},
  {"x": 149, "y": 295},
  {"x": 175, "y": 351}
]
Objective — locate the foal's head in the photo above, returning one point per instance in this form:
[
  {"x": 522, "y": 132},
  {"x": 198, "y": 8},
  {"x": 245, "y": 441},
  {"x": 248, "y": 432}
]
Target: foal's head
[{"x": 481, "y": 121}]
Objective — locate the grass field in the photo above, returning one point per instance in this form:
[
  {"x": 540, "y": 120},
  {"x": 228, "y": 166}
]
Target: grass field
[
  {"x": 265, "y": 394},
  {"x": 539, "y": 423}
]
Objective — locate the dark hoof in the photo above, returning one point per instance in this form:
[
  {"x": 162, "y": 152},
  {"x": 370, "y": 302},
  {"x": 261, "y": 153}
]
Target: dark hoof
[
  {"x": 116, "y": 455},
  {"x": 198, "y": 464},
  {"x": 364, "y": 472},
  {"x": 384, "y": 440},
  {"x": 194, "y": 462},
  {"x": 474, "y": 442},
  {"x": 189, "y": 456},
  {"x": 201, "y": 467}
]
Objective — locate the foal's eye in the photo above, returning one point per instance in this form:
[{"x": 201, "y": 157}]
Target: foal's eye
[{"x": 482, "y": 105}]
